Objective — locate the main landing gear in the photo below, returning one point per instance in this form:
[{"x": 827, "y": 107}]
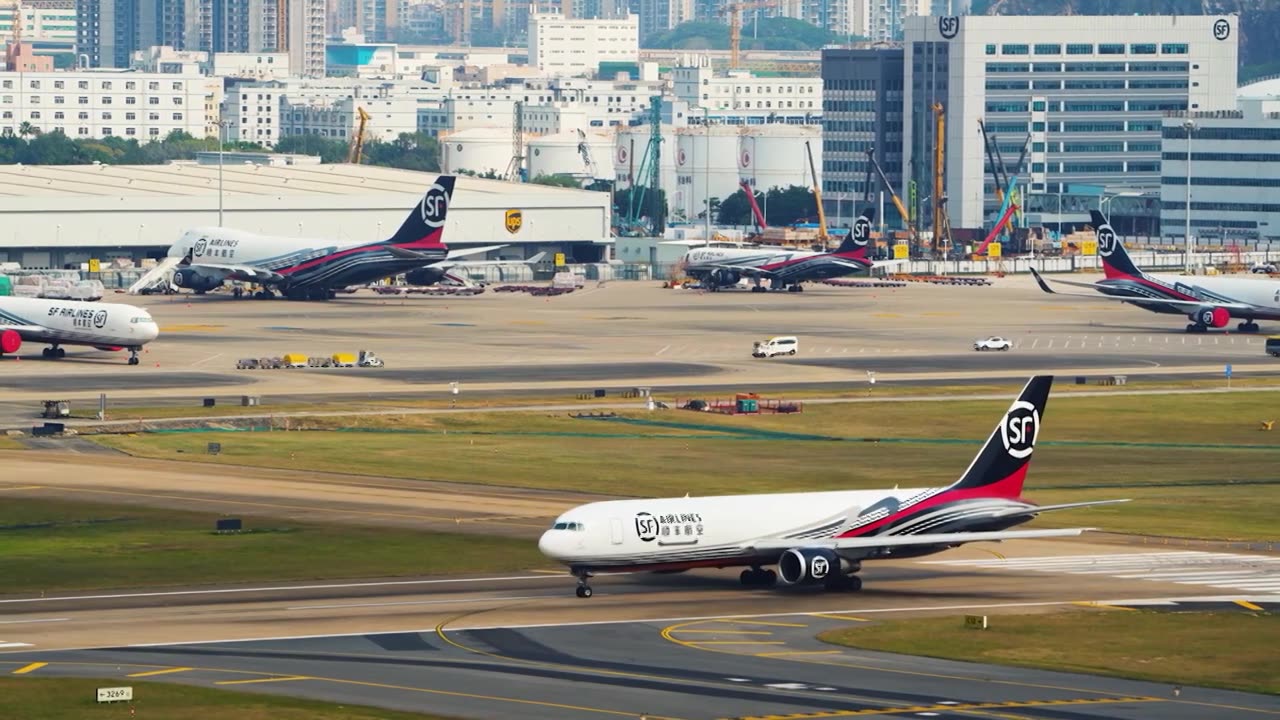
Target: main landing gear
[
  {"x": 133, "y": 355},
  {"x": 1248, "y": 326},
  {"x": 757, "y": 577},
  {"x": 53, "y": 352}
]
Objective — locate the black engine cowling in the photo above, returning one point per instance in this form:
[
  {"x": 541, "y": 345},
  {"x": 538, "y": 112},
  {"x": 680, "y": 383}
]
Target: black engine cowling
[
  {"x": 808, "y": 566},
  {"x": 192, "y": 279},
  {"x": 724, "y": 278},
  {"x": 1209, "y": 316},
  {"x": 424, "y": 276}
]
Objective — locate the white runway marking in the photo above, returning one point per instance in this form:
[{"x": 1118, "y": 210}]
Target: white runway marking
[
  {"x": 1254, "y": 573},
  {"x": 15, "y": 645},
  {"x": 664, "y": 349},
  {"x": 41, "y": 620},
  {"x": 423, "y": 602},
  {"x": 201, "y": 362}
]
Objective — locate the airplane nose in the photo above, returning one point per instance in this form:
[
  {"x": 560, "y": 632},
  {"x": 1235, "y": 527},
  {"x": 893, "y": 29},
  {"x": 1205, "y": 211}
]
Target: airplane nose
[{"x": 546, "y": 544}]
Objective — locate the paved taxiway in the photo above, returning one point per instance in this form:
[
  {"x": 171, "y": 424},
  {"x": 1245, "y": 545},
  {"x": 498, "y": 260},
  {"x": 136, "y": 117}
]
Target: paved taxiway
[{"x": 507, "y": 646}]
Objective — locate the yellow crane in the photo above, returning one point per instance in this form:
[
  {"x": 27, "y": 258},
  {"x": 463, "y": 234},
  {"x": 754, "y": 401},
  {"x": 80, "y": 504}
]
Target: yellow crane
[
  {"x": 356, "y": 150},
  {"x": 735, "y": 25},
  {"x": 939, "y": 192},
  {"x": 817, "y": 195}
]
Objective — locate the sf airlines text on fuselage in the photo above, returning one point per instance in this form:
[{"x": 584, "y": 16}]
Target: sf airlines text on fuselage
[{"x": 81, "y": 317}]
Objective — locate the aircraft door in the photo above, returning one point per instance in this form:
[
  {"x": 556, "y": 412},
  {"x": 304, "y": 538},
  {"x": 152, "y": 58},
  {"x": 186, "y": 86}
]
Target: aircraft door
[{"x": 616, "y": 530}]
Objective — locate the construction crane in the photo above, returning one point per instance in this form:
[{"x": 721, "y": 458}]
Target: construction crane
[
  {"x": 939, "y": 191},
  {"x": 735, "y": 25},
  {"x": 645, "y": 193},
  {"x": 587, "y": 160},
  {"x": 755, "y": 207},
  {"x": 516, "y": 165},
  {"x": 897, "y": 201},
  {"x": 355, "y": 153},
  {"x": 817, "y": 195}
]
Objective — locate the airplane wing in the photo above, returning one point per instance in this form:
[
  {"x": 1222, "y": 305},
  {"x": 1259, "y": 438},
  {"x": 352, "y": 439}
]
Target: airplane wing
[
  {"x": 874, "y": 542},
  {"x": 472, "y": 251},
  {"x": 244, "y": 273},
  {"x": 1189, "y": 304},
  {"x": 23, "y": 328},
  {"x": 1037, "y": 509},
  {"x": 480, "y": 263}
]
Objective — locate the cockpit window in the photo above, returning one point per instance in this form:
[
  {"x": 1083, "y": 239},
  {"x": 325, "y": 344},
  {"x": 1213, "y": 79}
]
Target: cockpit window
[
  {"x": 573, "y": 526},
  {"x": 560, "y": 526}
]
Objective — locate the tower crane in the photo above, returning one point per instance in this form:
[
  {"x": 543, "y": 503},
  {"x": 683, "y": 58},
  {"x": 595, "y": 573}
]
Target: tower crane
[
  {"x": 586, "y": 155},
  {"x": 735, "y": 24},
  {"x": 356, "y": 150}
]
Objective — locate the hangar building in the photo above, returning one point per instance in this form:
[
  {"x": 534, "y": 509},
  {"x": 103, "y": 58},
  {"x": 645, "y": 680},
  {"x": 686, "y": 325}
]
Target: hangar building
[{"x": 52, "y": 216}]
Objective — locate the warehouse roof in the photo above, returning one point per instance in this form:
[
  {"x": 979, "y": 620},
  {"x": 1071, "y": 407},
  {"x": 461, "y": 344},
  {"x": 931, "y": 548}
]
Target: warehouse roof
[{"x": 186, "y": 179}]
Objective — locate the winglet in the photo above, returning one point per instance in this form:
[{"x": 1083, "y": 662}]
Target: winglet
[{"x": 1040, "y": 281}]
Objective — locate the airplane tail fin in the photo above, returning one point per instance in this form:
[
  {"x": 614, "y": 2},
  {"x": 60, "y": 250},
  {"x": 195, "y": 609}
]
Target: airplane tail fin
[
  {"x": 1001, "y": 465},
  {"x": 423, "y": 229},
  {"x": 858, "y": 241},
  {"x": 1116, "y": 262}
]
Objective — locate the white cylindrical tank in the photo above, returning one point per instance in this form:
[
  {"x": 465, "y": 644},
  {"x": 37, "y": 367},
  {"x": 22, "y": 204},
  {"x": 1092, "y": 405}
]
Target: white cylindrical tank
[
  {"x": 772, "y": 156},
  {"x": 706, "y": 166},
  {"x": 479, "y": 150},
  {"x": 559, "y": 154}
]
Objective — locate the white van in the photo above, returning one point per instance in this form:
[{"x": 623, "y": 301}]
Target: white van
[{"x": 783, "y": 345}]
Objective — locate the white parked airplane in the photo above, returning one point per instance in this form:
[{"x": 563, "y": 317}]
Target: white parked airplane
[
  {"x": 818, "y": 537},
  {"x": 1208, "y": 301},
  {"x": 310, "y": 269},
  {"x": 105, "y": 326}
]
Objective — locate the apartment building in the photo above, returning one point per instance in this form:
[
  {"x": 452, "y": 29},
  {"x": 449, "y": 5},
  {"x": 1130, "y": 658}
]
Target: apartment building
[
  {"x": 561, "y": 46},
  {"x": 741, "y": 99},
  {"x": 97, "y": 104}
]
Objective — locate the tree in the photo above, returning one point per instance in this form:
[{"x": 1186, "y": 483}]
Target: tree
[
  {"x": 557, "y": 180},
  {"x": 781, "y": 207},
  {"x": 646, "y": 206}
]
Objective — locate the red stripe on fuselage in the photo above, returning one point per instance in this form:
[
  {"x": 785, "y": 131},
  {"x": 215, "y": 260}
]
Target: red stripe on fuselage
[
  {"x": 1113, "y": 274},
  {"x": 843, "y": 256},
  {"x": 1010, "y": 487},
  {"x": 430, "y": 242}
]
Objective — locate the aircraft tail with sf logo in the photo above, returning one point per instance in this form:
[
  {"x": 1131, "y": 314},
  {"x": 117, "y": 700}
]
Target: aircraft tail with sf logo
[
  {"x": 858, "y": 241},
  {"x": 423, "y": 229},
  {"x": 1116, "y": 262},
  {"x": 1001, "y": 465}
]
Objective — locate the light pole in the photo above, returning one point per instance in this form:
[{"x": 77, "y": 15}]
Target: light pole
[
  {"x": 1188, "y": 125},
  {"x": 222, "y": 131},
  {"x": 706, "y": 172}
]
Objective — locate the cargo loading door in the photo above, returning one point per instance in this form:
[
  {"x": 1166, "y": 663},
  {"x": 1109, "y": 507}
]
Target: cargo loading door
[{"x": 615, "y": 530}]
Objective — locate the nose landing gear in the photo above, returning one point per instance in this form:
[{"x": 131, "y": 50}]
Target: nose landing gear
[{"x": 584, "y": 590}]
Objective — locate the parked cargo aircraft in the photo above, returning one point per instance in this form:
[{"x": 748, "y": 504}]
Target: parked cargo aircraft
[
  {"x": 1208, "y": 301},
  {"x": 817, "y": 538},
  {"x": 308, "y": 269},
  {"x": 105, "y": 326},
  {"x": 717, "y": 267}
]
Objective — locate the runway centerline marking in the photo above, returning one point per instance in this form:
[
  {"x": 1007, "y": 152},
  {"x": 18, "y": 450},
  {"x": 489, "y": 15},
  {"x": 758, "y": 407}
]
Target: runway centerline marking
[
  {"x": 153, "y": 673},
  {"x": 263, "y": 680}
]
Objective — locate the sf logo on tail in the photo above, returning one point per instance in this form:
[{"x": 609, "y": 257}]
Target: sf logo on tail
[
  {"x": 861, "y": 231},
  {"x": 1019, "y": 429},
  {"x": 433, "y": 206},
  {"x": 1106, "y": 241}
]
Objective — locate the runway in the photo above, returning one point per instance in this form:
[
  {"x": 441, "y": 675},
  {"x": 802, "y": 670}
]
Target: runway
[{"x": 694, "y": 646}]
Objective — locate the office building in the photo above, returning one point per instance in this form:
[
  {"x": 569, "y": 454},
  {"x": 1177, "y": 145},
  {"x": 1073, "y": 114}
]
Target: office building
[
  {"x": 1085, "y": 95},
  {"x": 43, "y": 20},
  {"x": 885, "y": 18},
  {"x": 862, "y": 109},
  {"x": 91, "y": 104},
  {"x": 560, "y": 46},
  {"x": 1235, "y": 174},
  {"x": 741, "y": 99}
]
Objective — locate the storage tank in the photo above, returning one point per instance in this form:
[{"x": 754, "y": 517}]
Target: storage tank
[
  {"x": 706, "y": 164},
  {"x": 772, "y": 156},
  {"x": 480, "y": 150},
  {"x": 558, "y": 154}
]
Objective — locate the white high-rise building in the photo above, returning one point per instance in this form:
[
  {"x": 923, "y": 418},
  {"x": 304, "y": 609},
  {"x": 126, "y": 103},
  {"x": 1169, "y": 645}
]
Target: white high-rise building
[
  {"x": 885, "y": 18},
  {"x": 252, "y": 113},
  {"x": 561, "y": 46},
  {"x": 740, "y": 99},
  {"x": 306, "y": 37},
  {"x": 97, "y": 104},
  {"x": 1235, "y": 173},
  {"x": 1091, "y": 93},
  {"x": 661, "y": 15}
]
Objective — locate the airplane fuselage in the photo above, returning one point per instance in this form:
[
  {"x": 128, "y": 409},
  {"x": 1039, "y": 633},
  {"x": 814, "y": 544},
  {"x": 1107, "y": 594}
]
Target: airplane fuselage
[
  {"x": 70, "y": 322},
  {"x": 679, "y": 533},
  {"x": 1264, "y": 294},
  {"x": 783, "y": 266}
]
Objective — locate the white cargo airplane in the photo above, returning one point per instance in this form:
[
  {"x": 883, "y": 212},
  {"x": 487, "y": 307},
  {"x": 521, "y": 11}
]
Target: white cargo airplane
[
  {"x": 1208, "y": 301},
  {"x": 310, "y": 269},
  {"x": 105, "y": 326},
  {"x": 818, "y": 537}
]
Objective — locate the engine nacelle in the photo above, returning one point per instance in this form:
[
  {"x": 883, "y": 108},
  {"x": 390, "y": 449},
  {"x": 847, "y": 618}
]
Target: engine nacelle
[
  {"x": 194, "y": 280},
  {"x": 424, "y": 276},
  {"x": 725, "y": 278},
  {"x": 10, "y": 341},
  {"x": 1214, "y": 317},
  {"x": 808, "y": 566}
]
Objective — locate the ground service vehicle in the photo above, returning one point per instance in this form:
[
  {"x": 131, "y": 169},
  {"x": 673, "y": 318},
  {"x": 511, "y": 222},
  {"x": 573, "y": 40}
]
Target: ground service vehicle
[
  {"x": 1273, "y": 346},
  {"x": 783, "y": 345},
  {"x": 992, "y": 343}
]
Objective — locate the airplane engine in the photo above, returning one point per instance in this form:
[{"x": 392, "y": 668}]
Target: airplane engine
[
  {"x": 424, "y": 276},
  {"x": 1214, "y": 317},
  {"x": 10, "y": 341},
  {"x": 808, "y": 566},
  {"x": 725, "y": 277},
  {"x": 193, "y": 280}
]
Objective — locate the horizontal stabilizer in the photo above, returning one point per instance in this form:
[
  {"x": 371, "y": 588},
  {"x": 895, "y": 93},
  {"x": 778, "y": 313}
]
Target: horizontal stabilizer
[
  {"x": 878, "y": 541},
  {"x": 1047, "y": 508}
]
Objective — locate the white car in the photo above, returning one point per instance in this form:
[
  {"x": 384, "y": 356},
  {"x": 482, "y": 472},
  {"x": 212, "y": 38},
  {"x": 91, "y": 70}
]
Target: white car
[
  {"x": 992, "y": 343},
  {"x": 1264, "y": 268}
]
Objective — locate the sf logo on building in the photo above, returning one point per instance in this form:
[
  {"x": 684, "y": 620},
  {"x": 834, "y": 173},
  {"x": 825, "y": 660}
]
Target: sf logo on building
[
  {"x": 1019, "y": 429},
  {"x": 948, "y": 26},
  {"x": 1221, "y": 29},
  {"x": 514, "y": 220}
]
